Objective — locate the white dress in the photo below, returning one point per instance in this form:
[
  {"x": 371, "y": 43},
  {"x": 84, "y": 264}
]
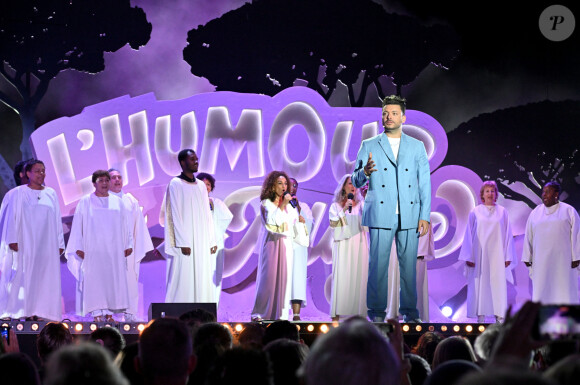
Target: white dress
[
  {"x": 488, "y": 243},
  {"x": 33, "y": 221},
  {"x": 274, "y": 277},
  {"x": 101, "y": 229},
  {"x": 189, "y": 223},
  {"x": 350, "y": 262},
  {"x": 222, "y": 217},
  {"x": 300, "y": 264},
  {"x": 141, "y": 245},
  {"x": 551, "y": 243}
]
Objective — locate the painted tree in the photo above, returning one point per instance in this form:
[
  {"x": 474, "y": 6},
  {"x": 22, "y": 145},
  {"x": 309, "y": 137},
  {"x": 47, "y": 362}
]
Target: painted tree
[
  {"x": 267, "y": 45},
  {"x": 41, "y": 38},
  {"x": 531, "y": 144}
]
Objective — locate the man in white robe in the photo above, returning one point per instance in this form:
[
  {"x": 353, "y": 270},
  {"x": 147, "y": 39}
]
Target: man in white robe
[
  {"x": 141, "y": 243},
  {"x": 99, "y": 242},
  {"x": 32, "y": 232},
  {"x": 551, "y": 249},
  {"x": 190, "y": 243}
]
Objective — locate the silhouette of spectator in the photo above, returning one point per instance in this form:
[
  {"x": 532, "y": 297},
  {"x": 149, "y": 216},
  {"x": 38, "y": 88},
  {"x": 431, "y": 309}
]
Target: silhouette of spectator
[
  {"x": 126, "y": 362},
  {"x": 53, "y": 336},
  {"x": 565, "y": 371},
  {"x": 286, "y": 357},
  {"x": 197, "y": 317},
  {"x": 503, "y": 376},
  {"x": 18, "y": 369},
  {"x": 451, "y": 371},
  {"x": 110, "y": 338},
  {"x": 355, "y": 353},
  {"x": 420, "y": 369},
  {"x": 84, "y": 364},
  {"x": 165, "y": 352},
  {"x": 280, "y": 329},
  {"x": 252, "y": 336},
  {"x": 210, "y": 342},
  {"x": 453, "y": 348},
  {"x": 241, "y": 366},
  {"x": 484, "y": 342},
  {"x": 426, "y": 345}
]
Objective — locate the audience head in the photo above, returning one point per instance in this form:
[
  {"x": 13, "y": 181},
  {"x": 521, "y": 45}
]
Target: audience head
[
  {"x": 453, "y": 348},
  {"x": 280, "y": 329},
  {"x": 420, "y": 369},
  {"x": 503, "y": 376},
  {"x": 286, "y": 357},
  {"x": 197, "y": 317},
  {"x": 18, "y": 368},
  {"x": 565, "y": 372},
  {"x": 110, "y": 338},
  {"x": 52, "y": 337},
  {"x": 426, "y": 345},
  {"x": 355, "y": 353},
  {"x": 213, "y": 334},
  {"x": 126, "y": 362},
  {"x": 252, "y": 336},
  {"x": 484, "y": 342},
  {"x": 84, "y": 364},
  {"x": 241, "y": 366},
  {"x": 450, "y": 372},
  {"x": 165, "y": 351}
]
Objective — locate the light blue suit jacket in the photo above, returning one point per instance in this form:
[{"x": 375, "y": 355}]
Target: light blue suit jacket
[{"x": 407, "y": 179}]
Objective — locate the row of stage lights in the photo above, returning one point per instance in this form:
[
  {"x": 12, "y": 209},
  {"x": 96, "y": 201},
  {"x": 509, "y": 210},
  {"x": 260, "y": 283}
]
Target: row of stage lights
[{"x": 137, "y": 328}]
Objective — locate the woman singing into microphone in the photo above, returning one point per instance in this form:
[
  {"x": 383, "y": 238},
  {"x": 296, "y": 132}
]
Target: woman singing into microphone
[{"x": 350, "y": 252}]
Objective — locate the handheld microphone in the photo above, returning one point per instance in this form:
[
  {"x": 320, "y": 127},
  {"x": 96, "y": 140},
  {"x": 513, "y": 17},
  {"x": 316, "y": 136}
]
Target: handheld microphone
[
  {"x": 350, "y": 196},
  {"x": 292, "y": 201}
]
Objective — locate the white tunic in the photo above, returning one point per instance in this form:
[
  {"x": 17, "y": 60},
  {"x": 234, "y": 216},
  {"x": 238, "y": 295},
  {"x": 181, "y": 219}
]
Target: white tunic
[
  {"x": 7, "y": 256},
  {"x": 189, "y": 223},
  {"x": 33, "y": 221},
  {"x": 350, "y": 262},
  {"x": 551, "y": 243},
  {"x": 274, "y": 277},
  {"x": 300, "y": 263},
  {"x": 426, "y": 249},
  {"x": 141, "y": 245},
  {"x": 102, "y": 231},
  {"x": 488, "y": 243},
  {"x": 222, "y": 216}
]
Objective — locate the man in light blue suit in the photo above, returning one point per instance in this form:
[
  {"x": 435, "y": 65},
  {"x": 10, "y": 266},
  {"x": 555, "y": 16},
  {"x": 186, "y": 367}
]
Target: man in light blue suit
[{"x": 397, "y": 205}]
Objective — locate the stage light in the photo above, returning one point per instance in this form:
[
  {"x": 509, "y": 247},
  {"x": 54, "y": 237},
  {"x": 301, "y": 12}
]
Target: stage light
[
  {"x": 140, "y": 327},
  {"x": 443, "y": 328},
  {"x": 469, "y": 328},
  {"x": 335, "y": 324},
  {"x": 5, "y": 325},
  {"x": 447, "y": 311},
  {"x": 310, "y": 328},
  {"x": 297, "y": 327},
  {"x": 20, "y": 327},
  {"x": 79, "y": 327},
  {"x": 456, "y": 328},
  {"x": 481, "y": 328},
  {"x": 34, "y": 327},
  {"x": 92, "y": 327},
  {"x": 324, "y": 328},
  {"x": 418, "y": 328},
  {"x": 431, "y": 328},
  {"x": 406, "y": 328},
  {"x": 126, "y": 327},
  {"x": 239, "y": 328}
]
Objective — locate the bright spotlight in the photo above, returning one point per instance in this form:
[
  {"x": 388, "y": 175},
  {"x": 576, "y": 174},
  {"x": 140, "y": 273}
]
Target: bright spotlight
[
  {"x": 456, "y": 328},
  {"x": 239, "y": 328},
  {"x": 469, "y": 328},
  {"x": 447, "y": 311},
  {"x": 324, "y": 328},
  {"x": 310, "y": 328},
  {"x": 79, "y": 327}
]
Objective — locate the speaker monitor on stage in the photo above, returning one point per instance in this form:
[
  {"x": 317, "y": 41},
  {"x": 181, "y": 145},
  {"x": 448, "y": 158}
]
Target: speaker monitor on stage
[{"x": 160, "y": 310}]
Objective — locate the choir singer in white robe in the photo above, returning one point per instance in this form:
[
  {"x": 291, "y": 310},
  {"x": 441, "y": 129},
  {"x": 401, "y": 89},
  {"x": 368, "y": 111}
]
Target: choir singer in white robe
[
  {"x": 190, "y": 243},
  {"x": 100, "y": 240},
  {"x": 222, "y": 217},
  {"x": 141, "y": 243},
  {"x": 350, "y": 252},
  {"x": 489, "y": 254},
  {"x": 34, "y": 235},
  {"x": 551, "y": 249}
]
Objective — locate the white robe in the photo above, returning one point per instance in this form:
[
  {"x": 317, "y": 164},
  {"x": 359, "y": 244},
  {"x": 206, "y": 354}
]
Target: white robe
[
  {"x": 222, "y": 217},
  {"x": 350, "y": 262},
  {"x": 102, "y": 231},
  {"x": 189, "y": 223},
  {"x": 426, "y": 249},
  {"x": 274, "y": 276},
  {"x": 551, "y": 243},
  {"x": 488, "y": 243},
  {"x": 7, "y": 256},
  {"x": 141, "y": 245},
  {"x": 300, "y": 261},
  {"x": 32, "y": 275}
]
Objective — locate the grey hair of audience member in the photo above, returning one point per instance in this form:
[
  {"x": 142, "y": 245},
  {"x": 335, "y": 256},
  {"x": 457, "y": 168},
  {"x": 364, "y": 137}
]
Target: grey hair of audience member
[
  {"x": 355, "y": 353},
  {"x": 484, "y": 342},
  {"x": 84, "y": 364}
]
